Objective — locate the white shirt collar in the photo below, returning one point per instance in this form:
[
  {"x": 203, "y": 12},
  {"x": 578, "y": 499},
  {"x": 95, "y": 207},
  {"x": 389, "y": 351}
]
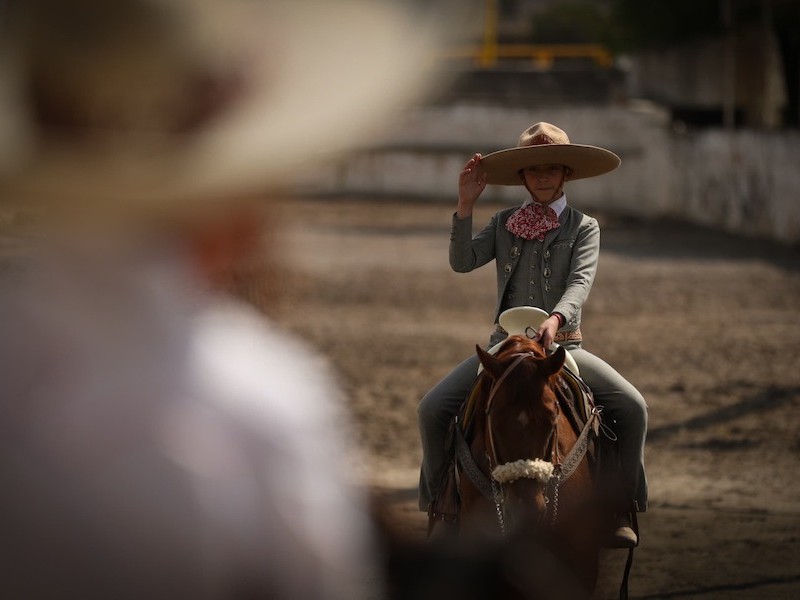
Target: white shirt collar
[{"x": 557, "y": 205}]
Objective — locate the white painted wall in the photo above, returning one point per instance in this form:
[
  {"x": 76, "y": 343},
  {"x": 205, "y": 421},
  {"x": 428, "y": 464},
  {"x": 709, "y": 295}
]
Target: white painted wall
[{"x": 745, "y": 182}]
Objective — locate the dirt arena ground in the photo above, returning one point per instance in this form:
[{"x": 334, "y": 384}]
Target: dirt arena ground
[{"x": 706, "y": 325}]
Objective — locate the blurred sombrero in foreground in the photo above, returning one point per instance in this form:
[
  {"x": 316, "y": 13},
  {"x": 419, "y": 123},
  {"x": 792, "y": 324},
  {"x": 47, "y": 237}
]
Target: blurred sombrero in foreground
[
  {"x": 543, "y": 144},
  {"x": 140, "y": 105}
]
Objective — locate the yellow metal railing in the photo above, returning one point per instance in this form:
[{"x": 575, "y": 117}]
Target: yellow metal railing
[{"x": 541, "y": 55}]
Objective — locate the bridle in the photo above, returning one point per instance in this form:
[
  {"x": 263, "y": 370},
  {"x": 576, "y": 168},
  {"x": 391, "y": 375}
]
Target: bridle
[
  {"x": 537, "y": 468},
  {"x": 551, "y": 473}
]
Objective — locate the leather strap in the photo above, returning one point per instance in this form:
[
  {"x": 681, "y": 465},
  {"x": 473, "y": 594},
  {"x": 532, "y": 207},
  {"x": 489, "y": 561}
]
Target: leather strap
[
  {"x": 568, "y": 336},
  {"x": 560, "y": 337},
  {"x": 578, "y": 451},
  {"x": 469, "y": 466}
]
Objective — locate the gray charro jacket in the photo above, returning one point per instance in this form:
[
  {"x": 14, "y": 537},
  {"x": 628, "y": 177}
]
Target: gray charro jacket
[{"x": 568, "y": 259}]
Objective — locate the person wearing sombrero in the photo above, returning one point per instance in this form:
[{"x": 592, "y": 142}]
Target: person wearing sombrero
[
  {"x": 159, "y": 438},
  {"x": 546, "y": 255}
]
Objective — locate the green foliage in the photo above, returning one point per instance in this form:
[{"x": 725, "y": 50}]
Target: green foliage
[
  {"x": 630, "y": 25},
  {"x": 573, "y": 22},
  {"x": 654, "y": 23}
]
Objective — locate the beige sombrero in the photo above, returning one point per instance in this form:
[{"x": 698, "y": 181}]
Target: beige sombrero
[
  {"x": 542, "y": 144},
  {"x": 141, "y": 106},
  {"x": 525, "y": 320}
]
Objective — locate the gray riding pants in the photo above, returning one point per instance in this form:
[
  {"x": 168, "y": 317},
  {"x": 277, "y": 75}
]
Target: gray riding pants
[{"x": 625, "y": 411}]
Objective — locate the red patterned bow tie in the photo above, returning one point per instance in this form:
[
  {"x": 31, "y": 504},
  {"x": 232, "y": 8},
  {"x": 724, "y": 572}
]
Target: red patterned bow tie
[{"x": 533, "y": 221}]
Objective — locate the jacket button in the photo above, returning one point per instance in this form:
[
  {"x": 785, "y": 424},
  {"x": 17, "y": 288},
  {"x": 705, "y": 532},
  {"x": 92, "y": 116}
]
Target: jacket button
[
  {"x": 507, "y": 268},
  {"x": 547, "y": 253},
  {"x": 546, "y": 272},
  {"x": 514, "y": 252}
]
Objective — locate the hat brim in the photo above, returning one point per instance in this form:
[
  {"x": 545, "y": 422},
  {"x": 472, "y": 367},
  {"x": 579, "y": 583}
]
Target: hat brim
[
  {"x": 324, "y": 77},
  {"x": 502, "y": 167}
]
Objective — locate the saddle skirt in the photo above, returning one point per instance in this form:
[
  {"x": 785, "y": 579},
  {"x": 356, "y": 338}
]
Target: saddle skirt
[{"x": 575, "y": 397}]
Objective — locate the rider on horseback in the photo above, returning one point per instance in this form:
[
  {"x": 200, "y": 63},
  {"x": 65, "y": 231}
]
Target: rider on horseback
[{"x": 546, "y": 255}]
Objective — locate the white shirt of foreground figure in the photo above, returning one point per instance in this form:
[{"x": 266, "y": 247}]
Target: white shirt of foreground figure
[{"x": 157, "y": 440}]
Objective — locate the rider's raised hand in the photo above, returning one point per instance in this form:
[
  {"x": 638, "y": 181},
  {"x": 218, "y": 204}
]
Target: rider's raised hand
[{"x": 471, "y": 183}]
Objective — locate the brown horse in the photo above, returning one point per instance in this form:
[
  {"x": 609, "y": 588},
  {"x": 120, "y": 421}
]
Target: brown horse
[{"x": 522, "y": 441}]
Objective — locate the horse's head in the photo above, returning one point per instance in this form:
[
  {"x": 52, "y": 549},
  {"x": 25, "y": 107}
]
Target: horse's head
[{"x": 521, "y": 412}]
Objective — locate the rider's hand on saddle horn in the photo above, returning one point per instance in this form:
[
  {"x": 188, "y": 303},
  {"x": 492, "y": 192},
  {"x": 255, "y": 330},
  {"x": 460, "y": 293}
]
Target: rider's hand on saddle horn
[{"x": 547, "y": 331}]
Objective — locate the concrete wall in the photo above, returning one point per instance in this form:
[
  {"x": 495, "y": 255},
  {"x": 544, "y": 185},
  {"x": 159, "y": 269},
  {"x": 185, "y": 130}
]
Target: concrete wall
[
  {"x": 692, "y": 75},
  {"x": 744, "y": 182}
]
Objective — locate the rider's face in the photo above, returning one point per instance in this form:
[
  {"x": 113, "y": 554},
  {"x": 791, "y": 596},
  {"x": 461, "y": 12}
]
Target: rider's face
[{"x": 545, "y": 182}]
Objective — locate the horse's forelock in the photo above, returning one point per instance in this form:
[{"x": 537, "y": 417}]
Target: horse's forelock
[
  {"x": 516, "y": 384},
  {"x": 515, "y": 346}
]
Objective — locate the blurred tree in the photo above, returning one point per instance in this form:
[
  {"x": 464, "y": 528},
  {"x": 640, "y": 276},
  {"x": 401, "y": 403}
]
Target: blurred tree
[
  {"x": 786, "y": 17},
  {"x": 664, "y": 22},
  {"x": 573, "y": 22},
  {"x": 659, "y": 23}
]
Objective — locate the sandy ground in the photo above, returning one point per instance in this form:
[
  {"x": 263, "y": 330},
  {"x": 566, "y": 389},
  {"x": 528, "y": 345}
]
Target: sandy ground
[{"x": 706, "y": 325}]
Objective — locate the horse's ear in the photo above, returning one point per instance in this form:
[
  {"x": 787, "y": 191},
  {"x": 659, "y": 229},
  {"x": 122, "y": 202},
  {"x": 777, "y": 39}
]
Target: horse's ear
[
  {"x": 490, "y": 363},
  {"x": 553, "y": 363}
]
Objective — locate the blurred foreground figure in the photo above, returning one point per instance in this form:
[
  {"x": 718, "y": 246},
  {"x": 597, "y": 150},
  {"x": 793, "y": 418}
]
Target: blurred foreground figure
[{"x": 158, "y": 439}]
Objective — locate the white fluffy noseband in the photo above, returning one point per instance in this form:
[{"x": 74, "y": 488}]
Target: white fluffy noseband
[{"x": 537, "y": 469}]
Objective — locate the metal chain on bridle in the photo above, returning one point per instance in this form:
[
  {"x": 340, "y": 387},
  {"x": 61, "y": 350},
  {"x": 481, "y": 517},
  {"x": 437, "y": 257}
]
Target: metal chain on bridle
[{"x": 497, "y": 496}]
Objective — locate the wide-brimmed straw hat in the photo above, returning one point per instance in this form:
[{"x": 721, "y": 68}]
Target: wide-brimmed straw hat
[
  {"x": 543, "y": 144},
  {"x": 134, "y": 106}
]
